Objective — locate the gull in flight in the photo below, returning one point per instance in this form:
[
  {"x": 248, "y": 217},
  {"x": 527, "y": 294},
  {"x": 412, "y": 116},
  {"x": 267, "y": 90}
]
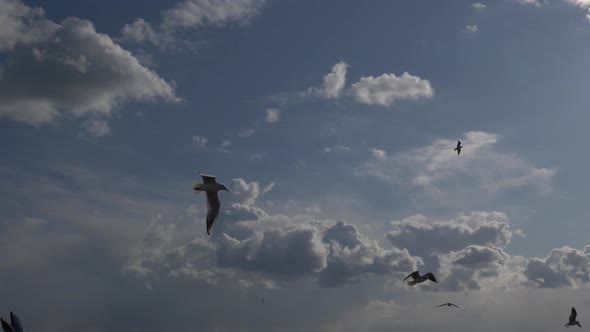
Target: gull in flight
[
  {"x": 211, "y": 188},
  {"x": 417, "y": 278},
  {"x": 458, "y": 148},
  {"x": 14, "y": 326},
  {"x": 449, "y": 305},
  {"x": 573, "y": 320}
]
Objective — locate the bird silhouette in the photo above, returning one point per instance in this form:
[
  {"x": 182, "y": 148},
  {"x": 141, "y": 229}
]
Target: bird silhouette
[
  {"x": 211, "y": 187},
  {"x": 458, "y": 148},
  {"x": 572, "y": 320},
  {"x": 417, "y": 278}
]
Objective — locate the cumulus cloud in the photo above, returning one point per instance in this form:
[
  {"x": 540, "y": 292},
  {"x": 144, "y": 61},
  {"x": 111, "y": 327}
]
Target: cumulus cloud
[
  {"x": 471, "y": 29},
  {"x": 583, "y": 5},
  {"x": 67, "y": 67},
  {"x": 432, "y": 166},
  {"x": 192, "y": 14},
  {"x": 479, "y": 6},
  {"x": 388, "y": 88},
  {"x": 200, "y": 141},
  {"x": 378, "y": 153},
  {"x": 333, "y": 84},
  {"x": 273, "y": 115},
  {"x": 564, "y": 266},
  {"x": 466, "y": 252},
  {"x": 97, "y": 128}
]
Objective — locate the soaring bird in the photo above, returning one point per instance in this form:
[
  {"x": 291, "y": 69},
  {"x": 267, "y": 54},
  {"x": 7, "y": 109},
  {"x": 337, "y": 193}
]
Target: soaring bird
[
  {"x": 14, "y": 326},
  {"x": 417, "y": 278},
  {"x": 458, "y": 148},
  {"x": 448, "y": 305},
  {"x": 573, "y": 320},
  {"x": 211, "y": 188}
]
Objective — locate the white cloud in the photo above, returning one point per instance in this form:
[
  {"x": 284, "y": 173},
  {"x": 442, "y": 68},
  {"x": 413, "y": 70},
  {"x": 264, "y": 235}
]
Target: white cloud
[
  {"x": 582, "y": 4},
  {"x": 471, "y": 29},
  {"x": 336, "y": 148},
  {"x": 386, "y": 89},
  {"x": 479, "y": 164},
  {"x": 333, "y": 84},
  {"x": 535, "y": 3},
  {"x": 97, "y": 128},
  {"x": 479, "y": 6},
  {"x": 246, "y": 133},
  {"x": 564, "y": 267},
  {"x": 272, "y": 115},
  {"x": 192, "y": 14},
  {"x": 378, "y": 153},
  {"x": 200, "y": 141},
  {"x": 67, "y": 67}
]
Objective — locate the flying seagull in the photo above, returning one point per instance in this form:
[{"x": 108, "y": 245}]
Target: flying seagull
[
  {"x": 417, "y": 278},
  {"x": 14, "y": 326},
  {"x": 458, "y": 148},
  {"x": 573, "y": 320},
  {"x": 448, "y": 305},
  {"x": 211, "y": 188}
]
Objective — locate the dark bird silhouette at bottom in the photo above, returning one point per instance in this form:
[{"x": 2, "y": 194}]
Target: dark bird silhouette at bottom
[
  {"x": 572, "y": 320},
  {"x": 14, "y": 326}
]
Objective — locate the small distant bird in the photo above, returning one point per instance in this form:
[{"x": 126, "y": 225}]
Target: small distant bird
[
  {"x": 14, "y": 326},
  {"x": 211, "y": 188},
  {"x": 458, "y": 148},
  {"x": 448, "y": 305},
  {"x": 417, "y": 278},
  {"x": 263, "y": 300},
  {"x": 573, "y": 320}
]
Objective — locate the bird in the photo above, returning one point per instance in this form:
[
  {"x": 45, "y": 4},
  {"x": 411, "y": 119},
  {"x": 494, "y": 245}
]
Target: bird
[
  {"x": 448, "y": 305},
  {"x": 573, "y": 320},
  {"x": 14, "y": 326},
  {"x": 417, "y": 278},
  {"x": 458, "y": 148},
  {"x": 211, "y": 187}
]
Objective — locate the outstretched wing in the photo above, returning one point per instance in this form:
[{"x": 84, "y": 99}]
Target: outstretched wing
[
  {"x": 5, "y": 326},
  {"x": 573, "y": 315},
  {"x": 208, "y": 178},
  {"x": 442, "y": 305},
  {"x": 212, "y": 208},
  {"x": 414, "y": 275},
  {"x": 431, "y": 276},
  {"x": 454, "y": 305},
  {"x": 15, "y": 322}
]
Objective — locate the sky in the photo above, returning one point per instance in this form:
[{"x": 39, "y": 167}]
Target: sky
[{"x": 333, "y": 125}]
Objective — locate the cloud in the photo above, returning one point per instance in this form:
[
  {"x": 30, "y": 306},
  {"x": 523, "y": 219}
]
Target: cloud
[
  {"x": 479, "y": 6},
  {"x": 471, "y": 29},
  {"x": 333, "y": 84},
  {"x": 336, "y": 148},
  {"x": 465, "y": 253},
  {"x": 435, "y": 165},
  {"x": 378, "y": 153},
  {"x": 97, "y": 128},
  {"x": 192, "y": 14},
  {"x": 272, "y": 115},
  {"x": 386, "y": 89},
  {"x": 246, "y": 133},
  {"x": 200, "y": 141},
  {"x": 583, "y": 5},
  {"x": 69, "y": 67},
  {"x": 564, "y": 267},
  {"x": 535, "y": 3}
]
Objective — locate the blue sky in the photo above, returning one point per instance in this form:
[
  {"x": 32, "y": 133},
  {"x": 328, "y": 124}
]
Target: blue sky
[{"x": 332, "y": 123}]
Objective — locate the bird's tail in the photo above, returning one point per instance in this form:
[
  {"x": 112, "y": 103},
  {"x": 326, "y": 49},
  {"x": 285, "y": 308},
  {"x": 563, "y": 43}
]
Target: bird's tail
[
  {"x": 455, "y": 149},
  {"x": 411, "y": 282}
]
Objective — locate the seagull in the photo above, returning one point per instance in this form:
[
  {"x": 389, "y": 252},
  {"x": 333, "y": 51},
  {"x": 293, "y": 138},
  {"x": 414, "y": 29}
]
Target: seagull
[
  {"x": 573, "y": 320},
  {"x": 211, "y": 188},
  {"x": 417, "y": 278},
  {"x": 14, "y": 326},
  {"x": 458, "y": 148},
  {"x": 448, "y": 305}
]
